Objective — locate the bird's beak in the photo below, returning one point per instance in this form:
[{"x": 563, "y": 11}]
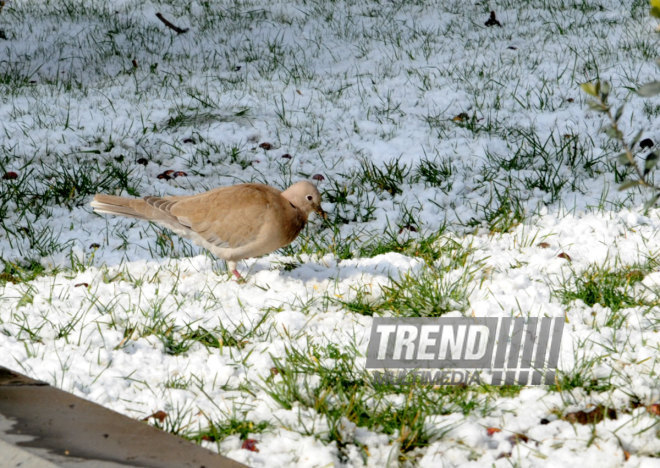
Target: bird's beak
[{"x": 321, "y": 213}]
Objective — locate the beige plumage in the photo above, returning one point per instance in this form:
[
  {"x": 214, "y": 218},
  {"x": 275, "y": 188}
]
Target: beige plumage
[{"x": 234, "y": 223}]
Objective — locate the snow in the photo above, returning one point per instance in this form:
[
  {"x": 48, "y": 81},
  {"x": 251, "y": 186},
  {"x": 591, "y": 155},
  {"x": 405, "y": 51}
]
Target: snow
[{"x": 332, "y": 84}]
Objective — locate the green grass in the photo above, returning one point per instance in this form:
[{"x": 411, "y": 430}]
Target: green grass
[
  {"x": 442, "y": 285},
  {"x": 21, "y": 273},
  {"x": 327, "y": 380},
  {"x": 388, "y": 178},
  {"x": 219, "y": 430},
  {"x": 581, "y": 376},
  {"x": 608, "y": 287},
  {"x": 436, "y": 172},
  {"x": 428, "y": 294},
  {"x": 181, "y": 341}
]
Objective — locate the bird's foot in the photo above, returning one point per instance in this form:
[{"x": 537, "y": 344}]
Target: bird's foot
[{"x": 238, "y": 276}]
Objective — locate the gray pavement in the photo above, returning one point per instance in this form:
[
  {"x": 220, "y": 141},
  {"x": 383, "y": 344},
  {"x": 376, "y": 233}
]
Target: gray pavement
[{"x": 43, "y": 427}]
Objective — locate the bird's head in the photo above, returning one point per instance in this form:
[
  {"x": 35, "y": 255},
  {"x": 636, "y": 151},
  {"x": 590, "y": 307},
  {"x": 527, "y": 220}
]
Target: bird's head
[{"x": 306, "y": 197}]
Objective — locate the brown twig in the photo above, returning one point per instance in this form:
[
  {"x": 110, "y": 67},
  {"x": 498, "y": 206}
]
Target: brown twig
[{"x": 173, "y": 27}]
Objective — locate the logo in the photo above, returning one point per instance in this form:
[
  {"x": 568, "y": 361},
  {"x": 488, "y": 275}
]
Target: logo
[{"x": 465, "y": 350}]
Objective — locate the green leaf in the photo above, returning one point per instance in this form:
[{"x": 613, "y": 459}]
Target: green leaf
[
  {"x": 613, "y": 132},
  {"x": 651, "y": 202},
  {"x": 650, "y": 162},
  {"x": 649, "y": 89},
  {"x": 637, "y": 138},
  {"x": 655, "y": 8},
  {"x": 628, "y": 184},
  {"x": 590, "y": 89},
  {"x": 597, "y": 106},
  {"x": 605, "y": 89},
  {"x": 623, "y": 159}
]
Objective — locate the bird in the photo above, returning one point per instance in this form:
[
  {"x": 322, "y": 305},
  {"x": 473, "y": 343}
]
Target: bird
[{"x": 233, "y": 222}]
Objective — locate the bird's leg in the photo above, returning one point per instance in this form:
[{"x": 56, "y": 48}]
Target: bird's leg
[{"x": 231, "y": 266}]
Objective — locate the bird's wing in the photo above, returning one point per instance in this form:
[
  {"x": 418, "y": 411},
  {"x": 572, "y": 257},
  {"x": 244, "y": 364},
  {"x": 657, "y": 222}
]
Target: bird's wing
[{"x": 227, "y": 217}]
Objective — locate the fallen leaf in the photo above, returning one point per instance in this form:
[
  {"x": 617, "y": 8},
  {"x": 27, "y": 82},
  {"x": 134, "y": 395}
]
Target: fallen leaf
[
  {"x": 543, "y": 245},
  {"x": 518, "y": 437},
  {"x": 159, "y": 415},
  {"x": 168, "y": 174},
  {"x": 11, "y": 175},
  {"x": 492, "y": 430},
  {"x": 565, "y": 256},
  {"x": 409, "y": 227},
  {"x": 594, "y": 416},
  {"x": 250, "y": 444}
]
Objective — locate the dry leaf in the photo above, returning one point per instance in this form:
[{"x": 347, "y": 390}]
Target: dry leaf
[
  {"x": 591, "y": 417},
  {"x": 518, "y": 437},
  {"x": 250, "y": 444},
  {"x": 159, "y": 415},
  {"x": 492, "y": 430}
]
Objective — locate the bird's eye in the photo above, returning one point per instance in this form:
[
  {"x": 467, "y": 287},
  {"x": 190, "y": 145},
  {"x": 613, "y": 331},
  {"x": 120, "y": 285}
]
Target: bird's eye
[{"x": 309, "y": 197}]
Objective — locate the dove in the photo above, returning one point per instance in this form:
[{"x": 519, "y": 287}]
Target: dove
[{"x": 233, "y": 223}]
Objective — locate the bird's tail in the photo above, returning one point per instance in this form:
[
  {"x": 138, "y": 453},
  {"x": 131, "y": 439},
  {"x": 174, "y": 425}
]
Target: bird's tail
[{"x": 112, "y": 204}]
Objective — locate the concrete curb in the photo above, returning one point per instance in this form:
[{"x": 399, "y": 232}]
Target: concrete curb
[
  {"x": 43, "y": 427},
  {"x": 14, "y": 456}
]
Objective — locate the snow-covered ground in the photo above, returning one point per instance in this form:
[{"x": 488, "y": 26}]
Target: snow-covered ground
[{"x": 463, "y": 176}]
